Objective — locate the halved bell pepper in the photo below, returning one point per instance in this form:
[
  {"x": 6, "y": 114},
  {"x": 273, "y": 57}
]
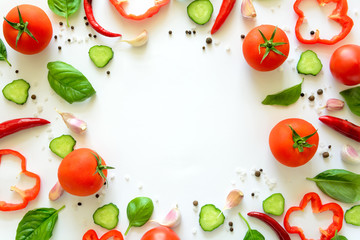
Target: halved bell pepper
[
  {"x": 317, "y": 207},
  {"x": 338, "y": 15},
  {"x": 120, "y": 4},
  {"x": 27, "y": 194},
  {"x": 91, "y": 235}
]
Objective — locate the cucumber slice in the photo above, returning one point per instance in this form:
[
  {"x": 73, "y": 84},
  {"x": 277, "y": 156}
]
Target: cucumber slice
[
  {"x": 200, "y": 11},
  {"x": 17, "y": 91},
  {"x": 210, "y": 217},
  {"x": 274, "y": 204},
  {"x": 62, "y": 145},
  {"x": 309, "y": 63},
  {"x": 352, "y": 215},
  {"x": 107, "y": 216},
  {"x": 101, "y": 55}
]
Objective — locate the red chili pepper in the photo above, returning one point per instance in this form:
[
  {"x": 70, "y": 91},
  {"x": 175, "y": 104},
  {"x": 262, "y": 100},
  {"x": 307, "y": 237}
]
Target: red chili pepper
[
  {"x": 339, "y": 15},
  {"x": 15, "y": 125},
  {"x": 90, "y": 16},
  {"x": 225, "y": 9},
  {"x": 26, "y": 195},
  {"x": 119, "y": 5},
  {"x": 317, "y": 207},
  {"x": 280, "y": 231},
  {"x": 91, "y": 235},
  {"x": 342, "y": 126}
]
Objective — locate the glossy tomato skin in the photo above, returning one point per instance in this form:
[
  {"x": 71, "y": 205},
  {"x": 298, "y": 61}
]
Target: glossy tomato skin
[
  {"x": 251, "y": 48},
  {"x": 39, "y": 25},
  {"x": 76, "y": 173},
  {"x": 345, "y": 64},
  {"x": 281, "y": 142},
  {"x": 160, "y": 233}
]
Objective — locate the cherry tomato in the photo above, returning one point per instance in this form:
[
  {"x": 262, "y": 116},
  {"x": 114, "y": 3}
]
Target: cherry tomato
[
  {"x": 38, "y": 23},
  {"x": 160, "y": 233},
  {"x": 275, "y": 57},
  {"x": 281, "y": 141},
  {"x": 345, "y": 64},
  {"x": 80, "y": 172}
]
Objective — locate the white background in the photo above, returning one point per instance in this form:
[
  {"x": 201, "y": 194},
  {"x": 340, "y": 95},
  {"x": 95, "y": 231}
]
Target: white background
[{"x": 178, "y": 123}]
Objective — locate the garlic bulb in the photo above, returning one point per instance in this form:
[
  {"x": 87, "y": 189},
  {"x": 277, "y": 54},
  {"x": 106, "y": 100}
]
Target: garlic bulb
[
  {"x": 139, "y": 41},
  {"x": 74, "y": 124},
  {"x": 247, "y": 9},
  {"x": 350, "y": 155}
]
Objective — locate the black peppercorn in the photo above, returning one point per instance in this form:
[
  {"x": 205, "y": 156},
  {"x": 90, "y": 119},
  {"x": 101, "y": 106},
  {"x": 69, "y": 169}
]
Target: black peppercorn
[
  {"x": 242, "y": 36},
  {"x": 55, "y": 37},
  {"x": 61, "y": 23},
  {"x": 97, "y": 195},
  {"x": 252, "y": 194},
  {"x": 311, "y": 98},
  {"x": 16, "y": 71},
  {"x": 194, "y": 32},
  {"x": 59, "y": 47},
  {"x": 79, "y": 203},
  {"x": 312, "y": 32},
  {"x": 231, "y": 229},
  {"x": 203, "y": 47},
  {"x": 107, "y": 72},
  {"x": 90, "y": 35},
  {"x": 261, "y": 170},
  {"x": 33, "y": 97},
  {"x": 231, "y": 224},
  {"x": 195, "y": 203},
  {"x": 72, "y": 27},
  {"x": 69, "y": 40},
  {"x": 325, "y": 154},
  {"x": 94, "y": 36},
  {"x": 87, "y": 23},
  {"x": 170, "y": 32},
  {"x": 320, "y": 91},
  {"x": 302, "y": 94},
  {"x": 208, "y": 40},
  {"x": 329, "y": 146},
  {"x": 257, "y": 173}
]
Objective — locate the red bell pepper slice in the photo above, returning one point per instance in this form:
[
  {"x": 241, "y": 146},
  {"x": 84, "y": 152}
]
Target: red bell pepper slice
[
  {"x": 120, "y": 4},
  {"x": 338, "y": 15},
  {"x": 317, "y": 207},
  {"x": 91, "y": 235},
  {"x": 26, "y": 195}
]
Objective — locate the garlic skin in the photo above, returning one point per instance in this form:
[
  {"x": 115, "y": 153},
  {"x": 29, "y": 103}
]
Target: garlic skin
[
  {"x": 56, "y": 192},
  {"x": 334, "y": 104},
  {"x": 247, "y": 9},
  {"x": 234, "y": 198},
  {"x": 139, "y": 41},
  {"x": 74, "y": 124},
  {"x": 350, "y": 155}
]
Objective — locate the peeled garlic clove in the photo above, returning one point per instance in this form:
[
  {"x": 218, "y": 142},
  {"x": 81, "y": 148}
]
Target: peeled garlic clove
[
  {"x": 334, "y": 104},
  {"x": 172, "y": 219},
  {"x": 350, "y": 155},
  {"x": 56, "y": 192},
  {"x": 74, "y": 124},
  {"x": 247, "y": 9},
  {"x": 139, "y": 41},
  {"x": 234, "y": 198}
]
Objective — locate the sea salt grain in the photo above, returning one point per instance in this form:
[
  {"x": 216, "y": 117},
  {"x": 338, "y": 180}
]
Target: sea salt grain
[
  {"x": 127, "y": 178},
  {"x": 194, "y": 231}
]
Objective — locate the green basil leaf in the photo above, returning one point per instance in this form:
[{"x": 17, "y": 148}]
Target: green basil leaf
[
  {"x": 3, "y": 52},
  {"x": 352, "y": 99},
  {"x": 253, "y": 234},
  {"x": 37, "y": 224},
  {"x": 64, "y": 8},
  {"x": 339, "y": 184},
  {"x": 338, "y": 237},
  {"x": 68, "y": 82},
  {"x": 285, "y": 97},
  {"x": 139, "y": 211}
]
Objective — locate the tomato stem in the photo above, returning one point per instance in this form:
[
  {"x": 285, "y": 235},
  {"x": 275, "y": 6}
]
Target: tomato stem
[
  {"x": 21, "y": 26},
  {"x": 301, "y": 142},
  {"x": 270, "y": 45},
  {"x": 100, "y": 168}
]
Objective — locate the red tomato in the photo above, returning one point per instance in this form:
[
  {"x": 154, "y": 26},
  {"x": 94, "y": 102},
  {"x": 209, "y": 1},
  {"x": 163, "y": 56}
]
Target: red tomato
[
  {"x": 160, "y": 233},
  {"x": 281, "y": 142},
  {"x": 254, "y": 39},
  {"x": 78, "y": 174},
  {"x": 38, "y": 24},
  {"x": 345, "y": 64}
]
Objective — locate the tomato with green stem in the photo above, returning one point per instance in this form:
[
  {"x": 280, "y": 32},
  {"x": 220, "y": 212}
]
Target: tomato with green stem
[
  {"x": 266, "y": 47},
  {"x": 27, "y": 29},
  {"x": 293, "y": 142},
  {"x": 82, "y": 172},
  {"x": 160, "y": 233}
]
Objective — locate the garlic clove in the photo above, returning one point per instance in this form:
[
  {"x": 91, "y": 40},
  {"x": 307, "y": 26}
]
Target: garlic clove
[
  {"x": 234, "y": 198},
  {"x": 74, "y": 124},
  {"x": 247, "y": 9},
  {"x": 350, "y": 155},
  {"x": 140, "y": 40},
  {"x": 56, "y": 192},
  {"x": 172, "y": 219},
  {"x": 334, "y": 104}
]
